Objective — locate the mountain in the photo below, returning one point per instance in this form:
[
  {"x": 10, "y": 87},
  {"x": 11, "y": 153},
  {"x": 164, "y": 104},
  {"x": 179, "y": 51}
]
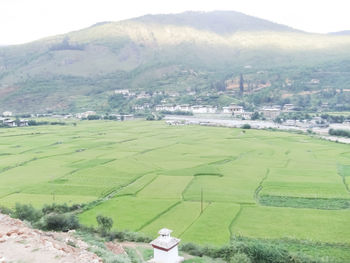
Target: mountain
[
  {"x": 198, "y": 53},
  {"x": 341, "y": 33},
  {"x": 219, "y": 22}
]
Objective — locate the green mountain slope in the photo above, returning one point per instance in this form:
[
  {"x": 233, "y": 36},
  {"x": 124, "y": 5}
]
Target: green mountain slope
[{"x": 192, "y": 51}]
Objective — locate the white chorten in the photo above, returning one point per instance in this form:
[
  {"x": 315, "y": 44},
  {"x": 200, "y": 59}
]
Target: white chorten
[{"x": 165, "y": 248}]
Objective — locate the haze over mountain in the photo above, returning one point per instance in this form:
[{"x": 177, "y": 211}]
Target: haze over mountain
[
  {"x": 183, "y": 52},
  {"x": 345, "y": 32}
]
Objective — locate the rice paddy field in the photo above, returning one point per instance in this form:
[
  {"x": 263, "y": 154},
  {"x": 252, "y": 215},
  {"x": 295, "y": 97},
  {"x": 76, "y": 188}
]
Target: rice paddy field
[{"x": 205, "y": 183}]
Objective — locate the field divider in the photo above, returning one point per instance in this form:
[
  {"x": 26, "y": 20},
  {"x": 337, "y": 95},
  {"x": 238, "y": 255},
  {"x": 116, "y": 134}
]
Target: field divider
[
  {"x": 260, "y": 186},
  {"x": 195, "y": 220},
  {"x": 112, "y": 193},
  {"x": 18, "y": 164},
  {"x": 159, "y": 215},
  {"x": 186, "y": 188},
  {"x": 287, "y": 163},
  {"x": 147, "y": 184},
  {"x": 341, "y": 173},
  {"x": 234, "y": 219}
]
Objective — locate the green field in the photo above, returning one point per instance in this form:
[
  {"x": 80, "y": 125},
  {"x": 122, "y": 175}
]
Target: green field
[{"x": 260, "y": 184}]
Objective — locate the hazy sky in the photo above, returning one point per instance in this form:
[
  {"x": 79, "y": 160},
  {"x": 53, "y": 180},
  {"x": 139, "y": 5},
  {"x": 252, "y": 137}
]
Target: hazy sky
[{"x": 26, "y": 20}]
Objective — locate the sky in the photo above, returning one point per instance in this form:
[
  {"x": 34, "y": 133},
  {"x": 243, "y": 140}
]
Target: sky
[{"x": 23, "y": 21}]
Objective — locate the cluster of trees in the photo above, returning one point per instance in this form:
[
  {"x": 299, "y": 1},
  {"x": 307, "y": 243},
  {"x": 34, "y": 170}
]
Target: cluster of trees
[
  {"x": 37, "y": 123},
  {"x": 339, "y": 132},
  {"x": 65, "y": 45},
  {"x": 334, "y": 118}
]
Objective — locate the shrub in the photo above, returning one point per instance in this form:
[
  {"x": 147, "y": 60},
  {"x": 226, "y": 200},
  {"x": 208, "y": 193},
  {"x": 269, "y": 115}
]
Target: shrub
[
  {"x": 27, "y": 212},
  {"x": 246, "y": 126},
  {"x": 5, "y": 210},
  {"x": 60, "y": 222},
  {"x": 104, "y": 223},
  {"x": 59, "y": 209},
  {"x": 240, "y": 258},
  {"x": 93, "y": 117},
  {"x": 58, "y": 123},
  {"x": 150, "y": 117},
  {"x": 339, "y": 132}
]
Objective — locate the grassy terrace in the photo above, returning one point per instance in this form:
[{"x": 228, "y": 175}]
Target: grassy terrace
[{"x": 258, "y": 184}]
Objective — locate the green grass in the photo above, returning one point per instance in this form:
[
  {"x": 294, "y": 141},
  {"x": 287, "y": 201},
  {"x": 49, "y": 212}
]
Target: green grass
[
  {"x": 216, "y": 218},
  {"x": 166, "y": 187},
  {"x": 39, "y": 200},
  {"x": 178, "y": 219},
  {"x": 307, "y": 224},
  {"x": 302, "y": 202},
  {"x": 155, "y": 175},
  {"x": 124, "y": 210}
]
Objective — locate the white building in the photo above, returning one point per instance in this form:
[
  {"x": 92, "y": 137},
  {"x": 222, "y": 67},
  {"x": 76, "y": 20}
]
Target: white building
[
  {"x": 185, "y": 107},
  {"x": 10, "y": 123},
  {"x": 203, "y": 109},
  {"x": 122, "y": 91},
  {"x": 166, "y": 108},
  {"x": 270, "y": 113},
  {"x": 84, "y": 115},
  {"x": 233, "y": 109},
  {"x": 165, "y": 248},
  {"x": 288, "y": 107},
  {"x": 7, "y": 114}
]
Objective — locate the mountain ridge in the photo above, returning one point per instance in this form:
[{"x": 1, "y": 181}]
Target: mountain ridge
[{"x": 81, "y": 69}]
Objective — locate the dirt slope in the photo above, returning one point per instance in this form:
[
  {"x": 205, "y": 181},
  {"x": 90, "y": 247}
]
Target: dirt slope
[{"x": 20, "y": 243}]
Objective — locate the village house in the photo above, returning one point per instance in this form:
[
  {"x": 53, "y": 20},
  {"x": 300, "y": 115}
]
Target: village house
[
  {"x": 143, "y": 95},
  {"x": 271, "y": 112},
  {"x": 142, "y": 107},
  {"x": 290, "y": 122},
  {"x": 315, "y": 81},
  {"x": 203, "y": 109},
  {"x": 233, "y": 109},
  {"x": 10, "y": 123},
  {"x": 246, "y": 115},
  {"x": 84, "y": 115},
  {"x": 288, "y": 107},
  {"x": 127, "y": 117},
  {"x": 185, "y": 107},
  {"x": 166, "y": 108},
  {"x": 7, "y": 114},
  {"x": 212, "y": 109},
  {"x": 124, "y": 92}
]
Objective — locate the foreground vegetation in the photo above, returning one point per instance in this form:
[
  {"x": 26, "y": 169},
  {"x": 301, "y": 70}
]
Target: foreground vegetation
[
  {"x": 146, "y": 175},
  {"x": 241, "y": 250}
]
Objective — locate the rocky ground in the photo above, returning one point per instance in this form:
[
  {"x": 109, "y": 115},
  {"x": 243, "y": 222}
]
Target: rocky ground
[{"x": 20, "y": 243}]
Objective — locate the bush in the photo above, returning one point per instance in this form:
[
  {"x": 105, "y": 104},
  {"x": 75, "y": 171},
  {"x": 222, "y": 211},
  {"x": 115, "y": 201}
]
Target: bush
[
  {"x": 246, "y": 126},
  {"x": 104, "y": 223},
  {"x": 60, "y": 222},
  {"x": 255, "y": 116},
  {"x": 248, "y": 250},
  {"x": 37, "y": 123},
  {"x": 240, "y": 258},
  {"x": 5, "y": 210},
  {"x": 127, "y": 236},
  {"x": 150, "y": 117},
  {"x": 27, "y": 212},
  {"x": 59, "y": 209},
  {"x": 339, "y": 132},
  {"x": 58, "y": 123},
  {"x": 93, "y": 117}
]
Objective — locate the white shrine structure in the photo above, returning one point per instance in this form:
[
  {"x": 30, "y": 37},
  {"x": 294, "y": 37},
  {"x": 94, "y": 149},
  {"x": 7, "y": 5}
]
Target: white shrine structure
[{"x": 165, "y": 248}]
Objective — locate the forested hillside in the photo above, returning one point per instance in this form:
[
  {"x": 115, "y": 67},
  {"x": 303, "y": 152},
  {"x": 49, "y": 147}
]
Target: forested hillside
[{"x": 192, "y": 57}]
